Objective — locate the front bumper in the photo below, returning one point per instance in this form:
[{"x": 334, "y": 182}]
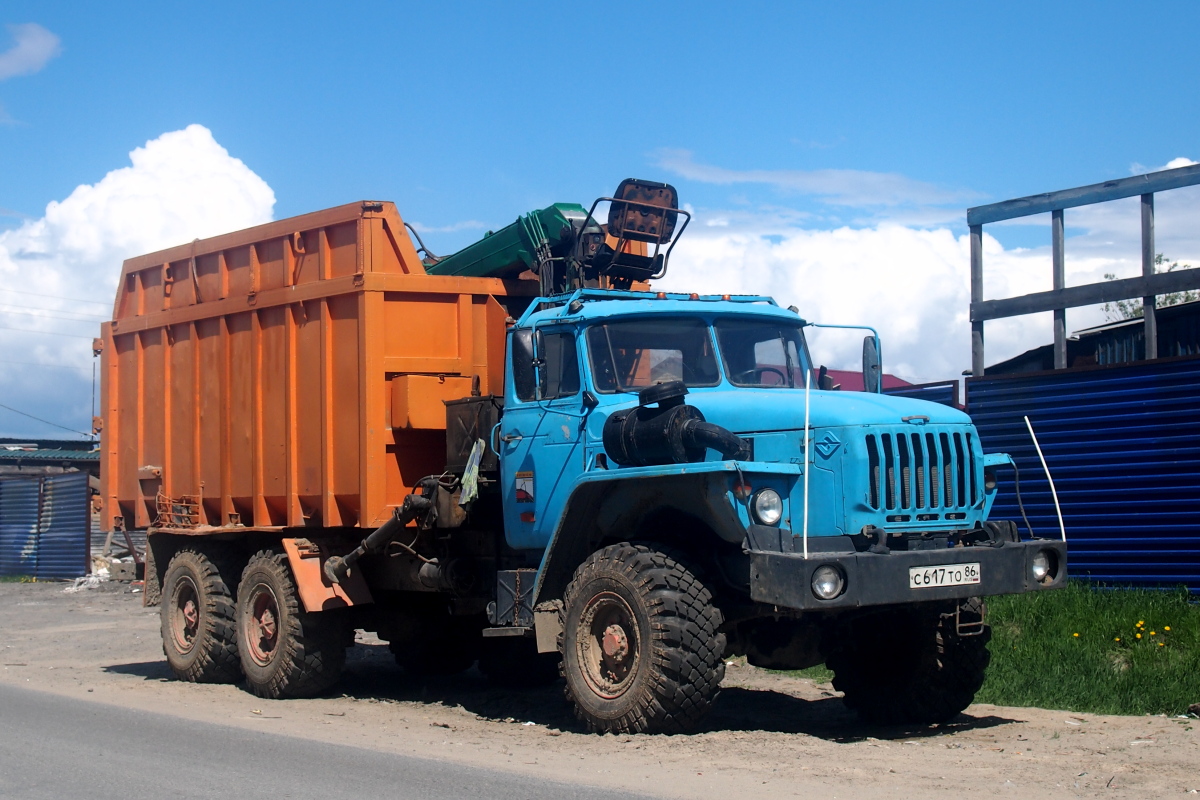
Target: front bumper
[{"x": 785, "y": 579}]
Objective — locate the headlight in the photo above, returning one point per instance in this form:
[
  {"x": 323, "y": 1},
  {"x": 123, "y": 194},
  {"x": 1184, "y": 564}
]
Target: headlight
[
  {"x": 767, "y": 506},
  {"x": 989, "y": 480},
  {"x": 827, "y": 582},
  {"x": 1043, "y": 567}
]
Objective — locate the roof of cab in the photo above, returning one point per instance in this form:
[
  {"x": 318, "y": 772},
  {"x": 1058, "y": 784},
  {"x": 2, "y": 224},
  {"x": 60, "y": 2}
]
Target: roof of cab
[{"x": 593, "y": 304}]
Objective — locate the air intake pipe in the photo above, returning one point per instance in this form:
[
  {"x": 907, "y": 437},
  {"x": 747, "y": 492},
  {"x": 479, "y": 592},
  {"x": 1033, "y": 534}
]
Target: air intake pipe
[{"x": 672, "y": 433}]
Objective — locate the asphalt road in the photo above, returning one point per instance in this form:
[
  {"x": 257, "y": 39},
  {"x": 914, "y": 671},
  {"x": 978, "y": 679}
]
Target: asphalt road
[{"x": 54, "y": 747}]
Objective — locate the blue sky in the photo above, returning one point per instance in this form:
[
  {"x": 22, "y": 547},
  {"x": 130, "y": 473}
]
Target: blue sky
[{"x": 785, "y": 121}]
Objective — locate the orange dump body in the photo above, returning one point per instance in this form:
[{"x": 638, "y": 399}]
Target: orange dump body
[{"x": 290, "y": 374}]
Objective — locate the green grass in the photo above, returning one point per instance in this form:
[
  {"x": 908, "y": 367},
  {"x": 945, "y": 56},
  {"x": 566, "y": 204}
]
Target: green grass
[
  {"x": 1079, "y": 649},
  {"x": 819, "y": 673},
  {"x": 15, "y": 579}
]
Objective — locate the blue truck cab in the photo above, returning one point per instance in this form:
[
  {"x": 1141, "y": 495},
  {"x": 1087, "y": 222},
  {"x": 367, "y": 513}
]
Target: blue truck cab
[{"x": 832, "y": 509}]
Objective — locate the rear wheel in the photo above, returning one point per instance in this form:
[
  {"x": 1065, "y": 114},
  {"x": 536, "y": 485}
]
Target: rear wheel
[
  {"x": 912, "y": 666},
  {"x": 285, "y": 652},
  {"x": 641, "y": 651},
  {"x": 197, "y": 617}
]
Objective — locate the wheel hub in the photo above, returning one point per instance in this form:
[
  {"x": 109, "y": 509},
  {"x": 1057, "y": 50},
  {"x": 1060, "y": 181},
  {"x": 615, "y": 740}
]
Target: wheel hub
[
  {"x": 261, "y": 632},
  {"x": 607, "y": 645},
  {"x": 191, "y": 614},
  {"x": 185, "y": 615},
  {"x": 615, "y": 643}
]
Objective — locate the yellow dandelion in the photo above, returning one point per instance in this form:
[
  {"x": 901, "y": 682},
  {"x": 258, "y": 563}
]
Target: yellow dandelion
[
  {"x": 1166, "y": 627},
  {"x": 1116, "y": 638},
  {"x": 1153, "y": 633},
  {"x": 1141, "y": 623},
  {"x": 1076, "y": 635},
  {"x": 1162, "y": 644},
  {"x": 1139, "y": 636}
]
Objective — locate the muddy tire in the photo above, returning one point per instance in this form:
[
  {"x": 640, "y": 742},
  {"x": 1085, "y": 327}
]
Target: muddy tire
[
  {"x": 285, "y": 651},
  {"x": 198, "y": 618},
  {"x": 910, "y": 667},
  {"x": 640, "y": 647},
  {"x": 515, "y": 662}
]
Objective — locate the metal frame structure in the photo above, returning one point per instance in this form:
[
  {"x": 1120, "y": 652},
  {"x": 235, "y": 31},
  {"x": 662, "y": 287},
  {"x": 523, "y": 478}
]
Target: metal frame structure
[{"x": 1060, "y": 298}]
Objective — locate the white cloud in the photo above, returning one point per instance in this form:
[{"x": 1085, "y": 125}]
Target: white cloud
[
  {"x": 33, "y": 47},
  {"x": 846, "y": 187},
  {"x": 913, "y": 284},
  {"x": 181, "y": 186},
  {"x": 1179, "y": 162},
  {"x": 910, "y": 276}
]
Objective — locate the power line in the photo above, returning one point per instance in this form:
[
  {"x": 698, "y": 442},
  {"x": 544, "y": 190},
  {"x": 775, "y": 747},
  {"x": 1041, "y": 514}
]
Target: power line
[
  {"x": 50, "y": 313},
  {"x": 58, "y": 297},
  {"x": 35, "y": 364},
  {"x": 48, "y": 333},
  {"x": 45, "y": 421}
]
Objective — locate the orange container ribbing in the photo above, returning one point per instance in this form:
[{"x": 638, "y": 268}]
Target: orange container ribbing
[{"x": 248, "y": 379}]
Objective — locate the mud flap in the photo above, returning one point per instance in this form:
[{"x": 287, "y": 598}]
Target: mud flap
[{"x": 317, "y": 592}]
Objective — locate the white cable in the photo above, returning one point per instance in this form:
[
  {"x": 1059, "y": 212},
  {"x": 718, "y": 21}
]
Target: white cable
[
  {"x": 807, "y": 384},
  {"x": 1053, "y": 493}
]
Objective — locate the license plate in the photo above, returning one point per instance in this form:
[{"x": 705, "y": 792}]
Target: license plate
[{"x": 943, "y": 575}]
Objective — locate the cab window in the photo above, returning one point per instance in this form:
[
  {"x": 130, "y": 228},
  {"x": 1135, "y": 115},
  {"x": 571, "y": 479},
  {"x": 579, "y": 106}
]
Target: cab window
[
  {"x": 629, "y": 355},
  {"x": 557, "y": 366},
  {"x": 762, "y": 353}
]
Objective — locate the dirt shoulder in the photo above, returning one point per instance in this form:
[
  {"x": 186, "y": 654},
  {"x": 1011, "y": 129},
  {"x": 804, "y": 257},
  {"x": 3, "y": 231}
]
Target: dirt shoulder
[{"x": 774, "y": 735}]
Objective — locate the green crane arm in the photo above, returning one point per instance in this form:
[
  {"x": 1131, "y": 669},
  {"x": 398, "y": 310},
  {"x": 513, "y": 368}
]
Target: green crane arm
[{"x": 528, "y": 243}]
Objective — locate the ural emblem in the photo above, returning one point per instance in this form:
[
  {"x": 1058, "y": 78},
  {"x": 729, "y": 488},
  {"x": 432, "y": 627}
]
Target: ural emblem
[{"x": 828, "y": 445}]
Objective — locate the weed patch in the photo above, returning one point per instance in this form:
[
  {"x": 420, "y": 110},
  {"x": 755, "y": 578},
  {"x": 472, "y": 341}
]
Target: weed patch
[{"x": 1088, "y": 648}]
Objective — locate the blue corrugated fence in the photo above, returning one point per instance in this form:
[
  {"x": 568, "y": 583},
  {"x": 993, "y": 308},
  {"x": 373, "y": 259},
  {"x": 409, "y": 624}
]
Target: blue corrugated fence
[
  {"x": 1123, "y": 446},
  {"x": 45, "y": 526}
]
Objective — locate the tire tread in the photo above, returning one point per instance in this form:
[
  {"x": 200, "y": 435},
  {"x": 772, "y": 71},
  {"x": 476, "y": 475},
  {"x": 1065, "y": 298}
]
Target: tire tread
[
  {"x": 686, "y": 647},
  {"x": 311, "y": 648}
]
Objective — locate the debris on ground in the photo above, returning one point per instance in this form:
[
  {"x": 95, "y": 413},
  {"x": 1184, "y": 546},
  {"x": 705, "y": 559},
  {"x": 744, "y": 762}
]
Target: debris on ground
[{"x": 86, "y": 582}]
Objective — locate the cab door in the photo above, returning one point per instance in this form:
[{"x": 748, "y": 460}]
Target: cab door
[{"x": 540, "y": 433}]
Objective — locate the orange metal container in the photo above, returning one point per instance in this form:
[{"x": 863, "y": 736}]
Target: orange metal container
[{"x": 290, "y": 374}]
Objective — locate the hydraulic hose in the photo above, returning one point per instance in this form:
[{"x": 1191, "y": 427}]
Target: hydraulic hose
[
  {"x": 415, "y": 505},
  {"x": 699, "y": 434}
]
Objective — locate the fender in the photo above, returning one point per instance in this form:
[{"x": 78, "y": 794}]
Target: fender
[
  {"x": 609, "y": 503},
  {"x": 317, "y": 592}
]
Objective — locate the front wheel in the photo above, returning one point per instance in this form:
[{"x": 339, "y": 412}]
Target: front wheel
[
  {"x": 286, "y": 652},
  {"x": 640, "y": 647},
  {"x": 912, "y": 666}
]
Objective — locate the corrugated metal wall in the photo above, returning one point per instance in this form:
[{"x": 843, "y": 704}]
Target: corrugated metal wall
[
  {"x": 19, "y": 506},
  {"x": 1123, "y": 446},
  {"x": 45, "y": 526}
]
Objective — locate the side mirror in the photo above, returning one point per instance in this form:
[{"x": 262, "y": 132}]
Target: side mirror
[
  {"x": 872, "y": 374},
  {"x": 824, "y": 379}
]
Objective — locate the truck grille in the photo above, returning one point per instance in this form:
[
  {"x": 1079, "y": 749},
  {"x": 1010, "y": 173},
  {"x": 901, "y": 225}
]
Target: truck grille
[{"x": 919, "y": 471}]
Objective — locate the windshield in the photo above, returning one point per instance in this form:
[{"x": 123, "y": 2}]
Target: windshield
[
  {"x": 762, "y": 353},
  {"x": 630, "y": 355}
]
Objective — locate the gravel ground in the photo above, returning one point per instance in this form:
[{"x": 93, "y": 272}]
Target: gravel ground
[{"x": 775, "y": 735}]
